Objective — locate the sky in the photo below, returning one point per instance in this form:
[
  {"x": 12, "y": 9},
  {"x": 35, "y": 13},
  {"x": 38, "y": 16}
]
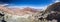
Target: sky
[{"x": 39, "y": 4}]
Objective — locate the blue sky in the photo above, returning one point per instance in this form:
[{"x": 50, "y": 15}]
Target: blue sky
[{"x": 32, "y": 3}]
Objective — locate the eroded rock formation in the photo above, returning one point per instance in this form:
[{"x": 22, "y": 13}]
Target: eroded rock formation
[{"x": 19, "y": 15}]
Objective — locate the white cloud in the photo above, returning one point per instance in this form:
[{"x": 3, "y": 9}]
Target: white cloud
[
  {"x": 57, "y": 1},
  {"x": 4, "y": 4}
]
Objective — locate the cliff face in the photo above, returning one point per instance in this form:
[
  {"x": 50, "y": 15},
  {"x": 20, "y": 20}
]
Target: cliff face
[{"x": 52, "y": 12}]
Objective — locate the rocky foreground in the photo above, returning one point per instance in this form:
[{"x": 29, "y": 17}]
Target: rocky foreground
[{"x": 22, "y": 15}]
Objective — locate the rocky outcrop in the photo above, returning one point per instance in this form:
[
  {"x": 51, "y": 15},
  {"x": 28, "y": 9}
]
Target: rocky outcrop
[{"x": 52, "y": 13}]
